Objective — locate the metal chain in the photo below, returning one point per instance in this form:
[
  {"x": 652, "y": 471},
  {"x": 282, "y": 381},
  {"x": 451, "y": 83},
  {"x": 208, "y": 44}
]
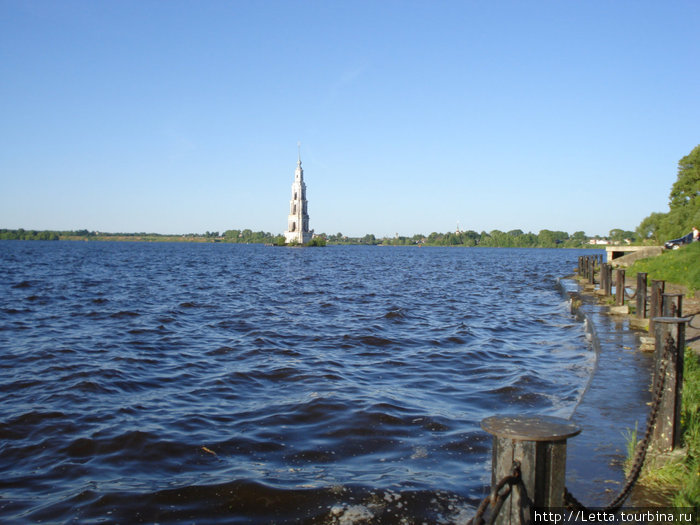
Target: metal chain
[
  {"x": 691, "y": 320},
  {"x": 498, "y": 496},
  {"x": 572, "y": 503}
]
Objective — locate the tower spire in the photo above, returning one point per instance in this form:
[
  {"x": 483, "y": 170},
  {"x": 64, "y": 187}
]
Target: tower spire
[{"x": 299, "y": 152}]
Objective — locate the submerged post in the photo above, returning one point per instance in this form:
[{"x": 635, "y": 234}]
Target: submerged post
[
  {"x": 539, "y": 444},
  {"x": 620, "y": 287},
  {"x": 641, "y": 295},
  {"x": 670, "y": 348}
]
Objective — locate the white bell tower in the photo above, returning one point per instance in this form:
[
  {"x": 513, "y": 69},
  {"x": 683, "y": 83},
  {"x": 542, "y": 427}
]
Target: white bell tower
[{"x": 298, "y": 219}]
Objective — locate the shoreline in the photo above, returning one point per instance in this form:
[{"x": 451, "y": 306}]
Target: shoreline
[
  {"x": 605, "y": 413},
  {"x": 654, "y": 493}
]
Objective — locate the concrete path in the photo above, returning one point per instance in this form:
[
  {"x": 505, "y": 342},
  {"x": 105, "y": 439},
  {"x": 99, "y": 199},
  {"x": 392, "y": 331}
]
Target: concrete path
[{"x": 614, "y": 403}]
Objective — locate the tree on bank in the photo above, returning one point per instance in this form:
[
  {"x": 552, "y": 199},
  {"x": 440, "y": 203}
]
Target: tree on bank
[{"x": 683, "y": 203}]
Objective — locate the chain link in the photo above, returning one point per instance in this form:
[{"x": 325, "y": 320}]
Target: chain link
[
  {"x": 498, "y": 496},
  {"x": 572, "y": 503}
]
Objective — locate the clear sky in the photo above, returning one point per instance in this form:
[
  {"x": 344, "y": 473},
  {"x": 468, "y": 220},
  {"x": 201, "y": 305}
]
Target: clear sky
[{"x": 184, "y": 116}]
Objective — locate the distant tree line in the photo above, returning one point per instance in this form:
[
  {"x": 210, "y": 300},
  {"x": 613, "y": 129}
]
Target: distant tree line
[
  {"x": 683, "y": 204},
  {"x": 28, "y": 235},
  {"x": 469, "y": 238},
  {"x": 492, "y": 239},
  {"x": 251, "y": 237}
]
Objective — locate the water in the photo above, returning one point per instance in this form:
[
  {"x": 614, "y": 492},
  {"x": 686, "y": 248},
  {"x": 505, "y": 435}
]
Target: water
[{"x": 213, "y": 383}]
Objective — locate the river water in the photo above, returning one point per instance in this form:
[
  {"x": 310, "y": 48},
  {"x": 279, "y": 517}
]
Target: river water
[{"x": 221, "y": 383}]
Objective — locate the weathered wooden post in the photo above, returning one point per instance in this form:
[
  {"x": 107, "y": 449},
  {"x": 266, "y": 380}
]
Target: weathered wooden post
[
  {"x": 672, "y": 304},
  {"x": 657, "y": 289},
  {"x": 667, "y": 431},
  {"x": 591, "y": 270},
  {"x": 641, "y": 295},
  {"x": 619, "y": 287},
  {"x": 539, "y": 444},
  {"x": 608, "y": 279}
]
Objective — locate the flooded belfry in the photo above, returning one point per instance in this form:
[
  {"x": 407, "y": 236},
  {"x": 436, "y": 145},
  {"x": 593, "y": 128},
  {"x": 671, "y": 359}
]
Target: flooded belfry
[{"x": 298, "y": 220}]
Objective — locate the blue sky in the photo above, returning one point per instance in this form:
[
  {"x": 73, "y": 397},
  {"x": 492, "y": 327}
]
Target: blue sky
[{"x": 184, "y": 116}]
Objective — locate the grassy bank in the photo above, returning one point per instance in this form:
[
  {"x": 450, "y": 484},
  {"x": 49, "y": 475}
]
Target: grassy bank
[
  {"x": 681, "y": 475},
  {"x": 680, "y": 266}
]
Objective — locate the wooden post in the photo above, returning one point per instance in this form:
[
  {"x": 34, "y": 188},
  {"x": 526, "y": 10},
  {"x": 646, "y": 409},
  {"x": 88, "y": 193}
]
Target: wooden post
[
  {"x": 608, "y": 279},
  {"x": 667, "y": 431},
  {"x": 591, "y": 270},
  {"x": 657, "y": 289},
  {"x": 588, "y": 268},
  {"x": 539, "y": 444},
  {"x": 672, "y": 305},
  {"x": 641, "y": 295},
  {"x": 620, "y": 287},
  {"x": 603, "y": 277}
]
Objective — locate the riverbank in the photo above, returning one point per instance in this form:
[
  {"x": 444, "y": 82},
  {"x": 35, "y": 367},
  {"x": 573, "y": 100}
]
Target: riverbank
[
  {"x": 606, "y": 413},
  {"x": 671, "y": 479}
]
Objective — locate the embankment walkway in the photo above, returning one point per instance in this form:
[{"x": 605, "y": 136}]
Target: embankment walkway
[{"x": 614, "y": 403}]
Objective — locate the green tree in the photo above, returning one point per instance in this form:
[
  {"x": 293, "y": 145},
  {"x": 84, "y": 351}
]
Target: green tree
[
  {"x": 686, "y": 190},
  {"x": 650, "y": 227},
  {"x": 369, "y": 239},
  {"x": 316, "y": 241},
  {"x": 232, "y": 235},
  {"x": 684, "y": 199},
  {"x": 576, "y": 240},
  {"x": 683, "y": 203},
  {"x": 550, "y": 239},
  {"x": 619, "y": 236}
]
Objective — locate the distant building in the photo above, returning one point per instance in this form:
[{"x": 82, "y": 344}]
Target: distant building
[{"x": 298, "y": 220}]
